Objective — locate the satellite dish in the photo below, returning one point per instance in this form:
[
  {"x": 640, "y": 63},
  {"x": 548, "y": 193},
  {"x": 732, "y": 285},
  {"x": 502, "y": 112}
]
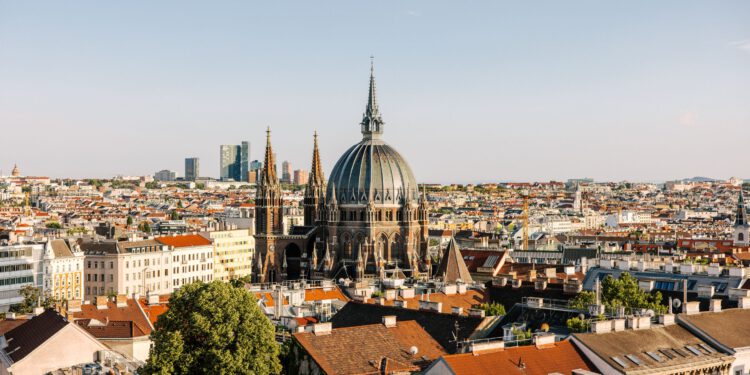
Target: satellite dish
[
  {"x": 581, "y": 316},
  {"x": 676, "y": 304},
  {"x": 413, "y": 350}
]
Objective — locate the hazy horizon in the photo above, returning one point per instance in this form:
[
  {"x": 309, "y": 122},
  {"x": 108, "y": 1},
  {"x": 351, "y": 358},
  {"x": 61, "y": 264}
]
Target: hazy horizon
[{"x": 479, "y": 92}]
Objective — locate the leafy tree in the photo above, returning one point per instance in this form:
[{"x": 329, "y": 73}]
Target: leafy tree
[
  {"x": 582, "y": 300},
  {"x": 493, "y": 309},
  {"x": 200, "y": 186},
  {"x": 174, "y": 215},
  {"x": 54, "y": 225},
  {"x": 144, "y": 227},
  {"x": 30, "y": 296},
  {"x": 129, "y": 221},
  {"x": 578, "y": 325},
  {"x": 152, "y": 185},
  {"x": 624, "y": 291},
  {"x": 213, "y": 328},
  {"x": 240, "y": 282},
  {"x": 376, "y": 294}
]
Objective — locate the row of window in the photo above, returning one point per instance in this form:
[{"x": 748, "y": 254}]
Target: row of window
[
  {"x": 16, "y": 267},
  {"x": 16, "y": 280}
]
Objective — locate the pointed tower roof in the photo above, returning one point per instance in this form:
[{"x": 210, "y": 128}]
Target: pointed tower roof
[
  {"x": 316, "y": 171},
  {"x": 741, "y": 218},
  {"x": 16, "y": 172},
  {"x": 372, "y": 122},
  {"x": 452, "y": 267},
  {"x": 268, "y": 176}
]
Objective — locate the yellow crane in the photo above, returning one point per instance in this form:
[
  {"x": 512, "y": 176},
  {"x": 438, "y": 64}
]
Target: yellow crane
[{"x": 525, "y": 217}]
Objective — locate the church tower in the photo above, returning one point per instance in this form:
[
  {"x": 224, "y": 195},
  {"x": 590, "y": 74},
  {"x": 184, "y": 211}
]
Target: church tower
[
  {"x": 741, "y": 227},
  {"x": 315, "y": 191},
  {"x": 268, "y": 215}
]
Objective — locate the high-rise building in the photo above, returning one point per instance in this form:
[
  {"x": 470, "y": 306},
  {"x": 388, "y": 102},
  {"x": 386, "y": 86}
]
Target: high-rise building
[
  {"x": 230, "y": 162},
  {"x": 300, "y": 177},
  {"x": 286, "y": 172},
  {"x": 244, "y": 157},
  {"x": 192, "y": 169},
  {"x": 165, "y": 175}
]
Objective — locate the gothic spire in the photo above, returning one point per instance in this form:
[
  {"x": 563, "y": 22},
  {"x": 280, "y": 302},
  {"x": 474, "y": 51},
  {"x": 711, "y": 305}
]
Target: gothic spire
[
  {"x": 269, "y": 164},
  {"x": 741, "y": 219},
  {"x": 316, "y": 171},
  {"x": 372, "y": 123}
]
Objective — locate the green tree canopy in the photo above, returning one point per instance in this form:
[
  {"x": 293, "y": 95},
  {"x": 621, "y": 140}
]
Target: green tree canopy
[
  {"x": 213, "y": 328},
  {"x": 493, "y": 309},
  {"x": 621, "y": 291},
  {"x": 54, "y": 225}
]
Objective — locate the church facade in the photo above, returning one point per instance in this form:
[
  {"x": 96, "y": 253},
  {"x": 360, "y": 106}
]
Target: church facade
[{"x": 368, "y": 220}]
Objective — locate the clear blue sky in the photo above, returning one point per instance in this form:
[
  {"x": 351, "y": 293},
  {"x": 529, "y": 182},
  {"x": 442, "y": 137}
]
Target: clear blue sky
[{"x": 470, "y": 91}]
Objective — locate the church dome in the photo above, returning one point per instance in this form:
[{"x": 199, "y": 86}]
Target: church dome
[{"x": 371, "y": 169}]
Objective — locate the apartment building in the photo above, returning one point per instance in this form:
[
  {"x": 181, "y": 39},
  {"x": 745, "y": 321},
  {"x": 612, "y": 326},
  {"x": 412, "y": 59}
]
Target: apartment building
[
  {"x": 233, "y": 253},
  {"x": 192, "y": 258},
  {"x": 20, "y": 265},
  {"x": 63, "y": 270},
  {"x": 126, "y": 267}
]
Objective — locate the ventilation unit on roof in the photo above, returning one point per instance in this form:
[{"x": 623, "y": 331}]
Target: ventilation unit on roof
[{"x": 707, "y": 348}]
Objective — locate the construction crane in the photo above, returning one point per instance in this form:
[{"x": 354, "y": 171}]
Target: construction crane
[{"x": 525, "y": 217}]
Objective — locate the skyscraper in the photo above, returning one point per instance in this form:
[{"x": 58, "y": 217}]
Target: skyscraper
[
  {"x": 286, "y": 172},
  {"x": 244, "y": 157},
  {"x": 300, "y": 177},
  {"x": 192, "y": 169},
  {"x": 230, "y": 162}
]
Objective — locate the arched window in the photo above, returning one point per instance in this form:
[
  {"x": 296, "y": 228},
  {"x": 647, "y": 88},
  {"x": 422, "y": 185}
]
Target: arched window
[{"x": 741, "y": 237}]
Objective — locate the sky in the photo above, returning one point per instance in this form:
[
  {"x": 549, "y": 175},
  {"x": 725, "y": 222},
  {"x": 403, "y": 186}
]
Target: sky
[{"x": 470, "y": 91}]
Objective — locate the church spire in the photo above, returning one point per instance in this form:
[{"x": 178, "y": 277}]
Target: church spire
[
  {"x": 269, "y": 164},
  {"x": 316, "y": 171},
  {"x": 741, "y": 219},
  {"x": 372, "y": 122}
]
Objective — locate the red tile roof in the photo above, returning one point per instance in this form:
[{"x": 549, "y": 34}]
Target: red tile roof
[
  {"x": 184, "y": 241},
  {"x": 130, "y": 312},
  {"x": 153, "y": 311},
  {"x": 562, "y": 357}
]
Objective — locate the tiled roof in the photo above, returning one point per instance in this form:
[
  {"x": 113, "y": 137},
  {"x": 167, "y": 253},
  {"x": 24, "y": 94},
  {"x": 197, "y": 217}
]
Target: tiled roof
[
  {"x": 187, "y": 240},
  {"x": 153, "y": 311},
  {"x": 113, "y": 329},
  {"x": 465, "y": 301},
  {"x": 638, "y": 343},
  {"x": 728, "y": 327},
  {"x": 452, "y": 267},
  {"x": 8, "y": 324},
  {"x": 60, "y": 248},
  {"x": 130, "y": 312},
  {"x": 370, "y": 346},
  {"x": 440, "y": 326},
  {"x": 25, "y": 338},
  {"x": 319, "y": 294},
  {"x": 561, "y": 357}
]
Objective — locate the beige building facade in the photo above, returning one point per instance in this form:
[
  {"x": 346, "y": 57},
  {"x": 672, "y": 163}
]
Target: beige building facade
[{"x": 233, "y": 253}]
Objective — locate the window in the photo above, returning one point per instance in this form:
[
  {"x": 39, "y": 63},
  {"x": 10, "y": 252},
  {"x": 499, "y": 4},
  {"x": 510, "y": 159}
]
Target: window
[{"x": 111, "y": 265}]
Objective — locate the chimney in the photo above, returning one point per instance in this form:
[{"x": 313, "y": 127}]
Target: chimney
[
  {"x": 488, "y": 346},
  {"x": 666, "y": 319},
  {"x": 122, "y": 300},
  {"x": 743, "y": 303},
  {"x": 544, "y": 339},
  {"x": 101, "y": 302},
  {"x": 10, "y": 316},
  {"x": 389, "y": 321},
  {"x": 407, "y": 293},
  {"x": 692, "y": 308},
  {"x": 462, "y": 288},
  {"x": 400, "y": 303},
  {"x": 153, "y": 299},
  {"x": 715, "y": 305},
  {"x": 321, "y": 329}
]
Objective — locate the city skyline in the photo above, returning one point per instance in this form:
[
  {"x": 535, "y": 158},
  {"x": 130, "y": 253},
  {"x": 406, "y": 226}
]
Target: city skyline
[{"x": 505, "y": 94}]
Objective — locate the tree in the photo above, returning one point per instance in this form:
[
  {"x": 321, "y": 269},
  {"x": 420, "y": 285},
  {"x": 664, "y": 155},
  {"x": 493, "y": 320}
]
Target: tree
[
  {"x": 174, "y": 215},
  {"x": 213, "y": 328},
  {"x": 582, "y": 300},
  {"x": 624, "y": 291},
  {"x": 30, "y": 296},
  {"x": 129, "y": 221},
  {"x": 144, "y": 227},
  {"x": 54, "y": 225},
  {"x": 493, "y": 309},
  {"x": 578, "y": 325}
]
